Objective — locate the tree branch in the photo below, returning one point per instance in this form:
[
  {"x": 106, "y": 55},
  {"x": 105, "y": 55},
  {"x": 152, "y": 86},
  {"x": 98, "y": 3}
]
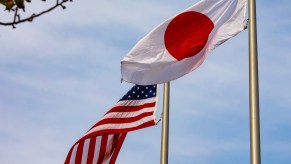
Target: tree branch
[{"x": 17, "y": 19}]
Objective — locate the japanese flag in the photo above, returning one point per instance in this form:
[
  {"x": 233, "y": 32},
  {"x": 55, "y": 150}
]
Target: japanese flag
[{"x": 180, "y": 44}]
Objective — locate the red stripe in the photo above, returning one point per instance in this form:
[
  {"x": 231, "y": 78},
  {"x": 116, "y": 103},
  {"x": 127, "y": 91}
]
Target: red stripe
[
  {"x": 117, "y": 148},
  {"x": 131, "y": 108},
  {"x": 116, "y": 131},
  {"x": 109, "y": 147},
  {"x": 67, "y": 161},
  {"x": 114, "y": 142},
  {"x": 123, "y": 120},
  {"x": 79, "y": 153},
  {"x": 102, "y": 149},
  {"x": 126, "y": 109},
  {"x": 91, "y": 150}
]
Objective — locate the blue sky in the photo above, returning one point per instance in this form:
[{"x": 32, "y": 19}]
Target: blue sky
[{"x": 61, "y": 73}]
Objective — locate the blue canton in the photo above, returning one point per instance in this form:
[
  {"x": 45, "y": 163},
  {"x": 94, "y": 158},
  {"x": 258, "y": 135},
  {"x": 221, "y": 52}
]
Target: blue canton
[{"x": 139, "y": 92}]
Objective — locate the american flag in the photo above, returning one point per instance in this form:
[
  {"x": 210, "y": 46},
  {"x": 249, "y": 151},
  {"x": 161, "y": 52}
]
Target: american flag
[{"x": 102, "y": 143}]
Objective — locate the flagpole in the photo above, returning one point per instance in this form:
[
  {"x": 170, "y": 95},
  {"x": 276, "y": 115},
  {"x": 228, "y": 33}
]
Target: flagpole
[
  {"x": 165, "y": 124},
  {"x": 254, "y": 87}
]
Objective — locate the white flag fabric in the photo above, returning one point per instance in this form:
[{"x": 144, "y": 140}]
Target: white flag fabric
[{"x": 180, "y": 44}]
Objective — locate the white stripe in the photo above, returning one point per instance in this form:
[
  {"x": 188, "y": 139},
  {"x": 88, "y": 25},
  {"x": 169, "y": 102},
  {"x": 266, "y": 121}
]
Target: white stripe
[
  {"x": 128, "y": 114},
  {"x": 73, "y": 155},
  {"x": 135, "y": 102},
  {"x": 85, "y": 151},
  {"x": 120, "y": 125},
  {"x": 108, "y": 149},
  {"x": 97, "y": 149}
]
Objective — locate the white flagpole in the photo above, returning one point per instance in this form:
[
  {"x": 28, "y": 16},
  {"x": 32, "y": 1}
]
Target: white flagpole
[
  {"x": 165, "y": 125},
  {"x": 254, "y": 87}
]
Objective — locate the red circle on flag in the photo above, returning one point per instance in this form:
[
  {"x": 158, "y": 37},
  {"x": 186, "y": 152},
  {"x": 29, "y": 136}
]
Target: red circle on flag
[{"x": 187, "y": 34}]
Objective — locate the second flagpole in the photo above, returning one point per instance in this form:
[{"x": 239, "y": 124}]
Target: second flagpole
[
  {"x": 165, "y": 124},
  {"x": 254, "y": 87}
]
